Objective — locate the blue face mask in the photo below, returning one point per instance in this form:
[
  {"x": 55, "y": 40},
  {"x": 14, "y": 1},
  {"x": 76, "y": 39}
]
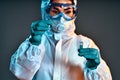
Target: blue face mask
[{"x": 60, "y": 22}]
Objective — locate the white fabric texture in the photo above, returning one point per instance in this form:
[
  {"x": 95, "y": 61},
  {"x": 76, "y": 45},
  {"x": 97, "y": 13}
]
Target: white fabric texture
[{"x": 48, "y": 60}]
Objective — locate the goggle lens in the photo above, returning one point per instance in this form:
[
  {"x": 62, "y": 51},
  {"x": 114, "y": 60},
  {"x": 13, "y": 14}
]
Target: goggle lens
[{"x": 67, "y": 9}]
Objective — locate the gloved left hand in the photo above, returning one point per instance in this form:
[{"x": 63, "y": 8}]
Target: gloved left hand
[{"x": 92, "y": 56}]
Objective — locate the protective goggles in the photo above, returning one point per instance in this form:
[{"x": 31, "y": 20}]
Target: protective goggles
[{"x": 68, "y": 11}]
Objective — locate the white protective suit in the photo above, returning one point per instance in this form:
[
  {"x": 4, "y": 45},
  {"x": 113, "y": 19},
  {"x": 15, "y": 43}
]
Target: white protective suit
[{"x": 48, "y": 61}]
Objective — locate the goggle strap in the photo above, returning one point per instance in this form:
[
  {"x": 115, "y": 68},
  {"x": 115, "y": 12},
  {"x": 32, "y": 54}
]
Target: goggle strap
[{"x": 61, "y": 5}]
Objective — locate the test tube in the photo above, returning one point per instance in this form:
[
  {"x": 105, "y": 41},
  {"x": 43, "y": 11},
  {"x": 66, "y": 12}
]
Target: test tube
[{"x": 81, "y": 45}]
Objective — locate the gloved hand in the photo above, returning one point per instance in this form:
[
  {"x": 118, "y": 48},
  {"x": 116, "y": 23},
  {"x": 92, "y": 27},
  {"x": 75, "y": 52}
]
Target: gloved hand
[
  {"x": 38, "y": 28},
  {"x": 92, "y": 56}
]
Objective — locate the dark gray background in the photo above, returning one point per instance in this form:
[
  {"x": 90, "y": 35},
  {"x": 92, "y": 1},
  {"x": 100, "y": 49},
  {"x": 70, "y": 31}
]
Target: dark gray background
[{"x": 97, "y": 19}]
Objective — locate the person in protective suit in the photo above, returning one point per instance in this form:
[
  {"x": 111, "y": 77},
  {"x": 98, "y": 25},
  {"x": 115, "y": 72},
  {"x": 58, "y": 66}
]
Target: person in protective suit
[{"x": 55, "y": 52}]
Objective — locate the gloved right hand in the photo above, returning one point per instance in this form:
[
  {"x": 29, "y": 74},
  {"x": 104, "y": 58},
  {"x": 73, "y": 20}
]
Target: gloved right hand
[{"x": 38, "y": 28}]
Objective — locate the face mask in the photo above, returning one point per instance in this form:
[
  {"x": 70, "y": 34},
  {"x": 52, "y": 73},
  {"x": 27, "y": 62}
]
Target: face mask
[{"x": 60, "y": 22}]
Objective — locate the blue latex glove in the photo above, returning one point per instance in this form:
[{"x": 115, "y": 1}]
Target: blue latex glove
[
  {"x": 38, "y": 28},
  {"x": 92, "y": 56}
]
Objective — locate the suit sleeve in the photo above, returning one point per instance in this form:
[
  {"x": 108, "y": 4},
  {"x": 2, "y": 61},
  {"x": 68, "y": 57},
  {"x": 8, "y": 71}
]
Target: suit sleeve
[
  {"x": 102, "y": 72},
  {"x": 25, "y": 62}
]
